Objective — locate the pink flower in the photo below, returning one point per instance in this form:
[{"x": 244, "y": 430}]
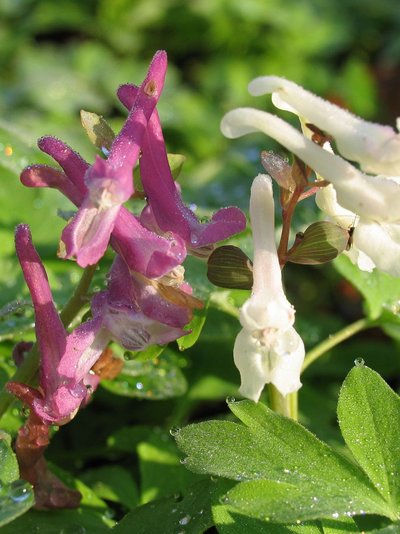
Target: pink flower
[
  {"x": 165, "y": 211},
  {"x": 65, "y": 359}
]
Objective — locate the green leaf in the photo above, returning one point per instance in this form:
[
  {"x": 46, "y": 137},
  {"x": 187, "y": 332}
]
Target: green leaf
[
  {"x": 150, "y": 379},
  {"x": 191, "y": 514},
  {"x": 229, "y": 267},
  {"x": 15, "y": 499},
  {"x": 8, "y": 461},
  {"x": 161, "y": 472},
  {"x": 16, "y": 496},
  {"x": 346, "y": 524},
  {"x": 80, "y": 521},
  {"x": 288, "y": 473},
  {"x": 369, "y": 418},
  {"x": 322, "y": 241},
  {"x": 228, "y": 521},
  {"x": 113, "y": 483},
  {"x": 380, "y": 290},
  {"x": 196, "y": 326},
  {"x": 98, "y": 130}
]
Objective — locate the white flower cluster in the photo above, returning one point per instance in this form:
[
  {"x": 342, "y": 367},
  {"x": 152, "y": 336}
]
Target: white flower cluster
[{"x": 368, "y": 198}]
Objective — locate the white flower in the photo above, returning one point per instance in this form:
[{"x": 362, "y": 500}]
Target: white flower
[
  {"x": 371, "y": 201},
  {"x": 268, "y": 349}
]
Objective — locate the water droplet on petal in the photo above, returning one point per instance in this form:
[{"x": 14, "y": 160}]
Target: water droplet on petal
[{"x": 359, "y": 362}]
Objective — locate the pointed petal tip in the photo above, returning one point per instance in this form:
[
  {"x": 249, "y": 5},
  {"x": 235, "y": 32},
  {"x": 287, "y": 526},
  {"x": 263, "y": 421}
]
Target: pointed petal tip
[{"x": 23, "y": 236}]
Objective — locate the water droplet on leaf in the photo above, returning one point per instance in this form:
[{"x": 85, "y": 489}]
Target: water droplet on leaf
[
  {"x": 19, "y": 491},
  {"x": 359, "y": 362},
  {"x": 185, "y": 520}
]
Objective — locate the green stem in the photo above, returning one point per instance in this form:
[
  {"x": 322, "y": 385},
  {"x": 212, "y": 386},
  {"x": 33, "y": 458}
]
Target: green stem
[
  {"x": 283, "y": 404},
  {"x": 28, "y": 369},
  {"x": 335, "y": 339}
]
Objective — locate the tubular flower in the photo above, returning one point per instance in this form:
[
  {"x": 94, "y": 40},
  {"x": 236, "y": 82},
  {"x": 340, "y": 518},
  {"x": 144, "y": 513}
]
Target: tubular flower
[
  {"x": 166, "y": 211},
  {"x": 99, "y": 191},
  {"x": 267, "y": 349},
  {"x": 136, "y": 314},
  {"x": 66, "y": 359},
  {"x": 368, "y": 201},
  {"x": 142, "y": 249},
  {"x": 109, "y": 182}
]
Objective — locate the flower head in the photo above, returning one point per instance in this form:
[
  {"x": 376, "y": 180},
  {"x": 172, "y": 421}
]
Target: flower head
[
  {"x": 136, "y": 313},
  {"x": 370, "y": 200},
  {"x": 65, "y": 359},
  {"x": 268, "y": 349}
]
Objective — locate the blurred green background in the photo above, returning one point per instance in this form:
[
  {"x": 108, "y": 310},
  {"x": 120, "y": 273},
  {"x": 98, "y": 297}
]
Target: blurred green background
[{"x": 60, "y": 56}]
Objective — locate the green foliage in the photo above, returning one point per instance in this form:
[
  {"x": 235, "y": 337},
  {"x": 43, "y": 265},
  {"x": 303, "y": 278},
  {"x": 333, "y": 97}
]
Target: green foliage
[
  {"x": 290, "y": 476},
  {"x": 16, "y": 496}
]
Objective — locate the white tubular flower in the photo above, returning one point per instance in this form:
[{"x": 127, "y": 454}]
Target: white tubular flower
[
  {"x": 268, "y": 349},
  {"x": 372, "y": 202}
]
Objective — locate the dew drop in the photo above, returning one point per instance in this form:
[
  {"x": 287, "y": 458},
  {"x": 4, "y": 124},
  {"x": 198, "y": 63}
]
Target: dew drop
[
  {"x": 174, "y": 431},
  {"x": 359, "y": 362},
  {"x": 185, "y": 520},
  {"x": 139, "y": 386},
  {"x": 177, "y": 496},
  {"x": 335, "y": 515},
  {"x": 230, "y": 400},
  {"x": 19, "y": 491},
  {"x": 224, "y": 499},
  {"x": 183, "y": 461}
]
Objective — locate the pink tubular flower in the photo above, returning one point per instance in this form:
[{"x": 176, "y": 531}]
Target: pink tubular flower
[
  {"x": 109, "y": 182},
  {"x": 165, "y": 210},
  {"x": 66, "y": 359},
  {"x": 138, "y": 312},
  {"x": 143, "y": 250}
]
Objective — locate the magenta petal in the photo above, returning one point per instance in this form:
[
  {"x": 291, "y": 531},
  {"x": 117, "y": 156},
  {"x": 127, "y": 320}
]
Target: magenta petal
[
  {"x": 88, "y": 234},
  {"x": 224, "y": 223},
  {"x": 45, "y": 176},
  {"x": 50, "y": 333},
  {"x": 124, "y": 316},
  {"x": 70, "y": 161},
  {"x": 166, "y": 205},
  {"x": 143, "y": 250},
  {"x": 84, "y": 346},
  {"x": 126, "y": 146}
]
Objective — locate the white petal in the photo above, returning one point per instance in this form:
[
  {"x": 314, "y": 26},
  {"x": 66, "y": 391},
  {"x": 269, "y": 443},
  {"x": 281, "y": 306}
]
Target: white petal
[
  {"x": 326, "y": 200},
  {"x": 375, "y": 147},
  {"x": 289, "y": 350},
  {"x": 261, "y": 311},
  {"x": 372, "y": 196},
  {"x": 248, "y": 359},
  {"x": 381, "y": 242}
]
